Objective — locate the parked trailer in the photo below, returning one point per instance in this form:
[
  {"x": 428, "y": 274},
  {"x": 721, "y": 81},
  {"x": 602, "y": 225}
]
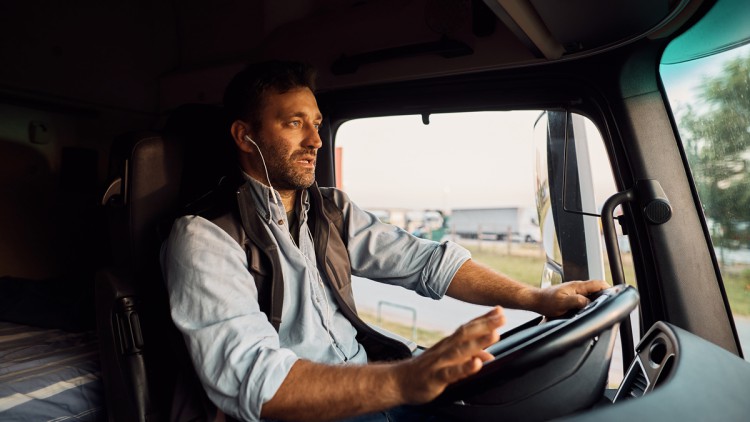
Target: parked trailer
[{"x": 496, "y": 223}]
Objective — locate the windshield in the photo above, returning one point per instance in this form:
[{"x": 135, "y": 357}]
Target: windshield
[{"x": 706, "y": 75}]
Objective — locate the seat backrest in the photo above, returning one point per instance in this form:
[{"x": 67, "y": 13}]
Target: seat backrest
[
  {"x": 153, "y": 175},
  {"x": 145, "y": 172}
]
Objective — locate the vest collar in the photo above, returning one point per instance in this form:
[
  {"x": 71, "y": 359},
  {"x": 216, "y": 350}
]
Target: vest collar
[{"x": 263, "y": 197}]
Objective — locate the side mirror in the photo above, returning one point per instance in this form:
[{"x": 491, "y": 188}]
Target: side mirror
[{"x": 564, "y": 194}]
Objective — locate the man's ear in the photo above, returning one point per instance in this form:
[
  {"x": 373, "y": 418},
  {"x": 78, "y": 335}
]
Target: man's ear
[{"x": 239, "y": 130}]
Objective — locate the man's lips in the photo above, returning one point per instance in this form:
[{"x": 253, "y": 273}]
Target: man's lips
[{"x": 307, "y": 161}]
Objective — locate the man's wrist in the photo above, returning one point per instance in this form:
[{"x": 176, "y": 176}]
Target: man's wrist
[
  {"x": 532, "y": 299},
  {"x": 395, "y": 382}
]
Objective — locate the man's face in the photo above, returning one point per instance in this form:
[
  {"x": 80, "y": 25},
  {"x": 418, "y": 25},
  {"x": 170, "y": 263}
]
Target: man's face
[{"x": 289, "y": 138}]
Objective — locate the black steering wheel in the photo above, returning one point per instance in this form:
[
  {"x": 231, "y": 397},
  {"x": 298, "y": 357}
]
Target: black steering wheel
[{"x": 528, "y": 347}]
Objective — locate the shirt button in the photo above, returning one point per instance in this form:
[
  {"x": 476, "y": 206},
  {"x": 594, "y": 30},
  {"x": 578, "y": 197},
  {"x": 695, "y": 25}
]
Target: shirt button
[{"x": 281, "y": 222}]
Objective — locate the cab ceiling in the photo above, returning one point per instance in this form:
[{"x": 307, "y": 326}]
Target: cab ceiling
[
  {"x": 360, "y": 41},
  {"x": 156, "y": 54}
]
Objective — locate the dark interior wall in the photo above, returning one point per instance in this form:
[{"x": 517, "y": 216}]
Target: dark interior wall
[
  {"x": 217, "y": 31},
  {"x": 118, "y": 54},
  {"x": 100, "y": 53},
  {"x": 74, "y": 75},
  {"x": 53, "y": 165}
]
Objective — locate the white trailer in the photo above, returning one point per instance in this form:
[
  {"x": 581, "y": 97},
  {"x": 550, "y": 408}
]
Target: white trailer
[{"x": 496, "y": 223}]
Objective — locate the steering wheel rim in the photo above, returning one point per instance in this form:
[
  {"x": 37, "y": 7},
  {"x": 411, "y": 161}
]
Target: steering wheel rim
[{"x": 525, "y": 349}]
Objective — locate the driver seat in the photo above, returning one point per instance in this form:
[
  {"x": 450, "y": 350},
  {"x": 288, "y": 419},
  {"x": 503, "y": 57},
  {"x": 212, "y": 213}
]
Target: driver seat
[
  {"x": 146, "y": 370},
  {"x": 144, "y": 187}
]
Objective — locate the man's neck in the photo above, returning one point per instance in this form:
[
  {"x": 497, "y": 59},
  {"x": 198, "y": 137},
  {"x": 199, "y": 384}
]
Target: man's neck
[{"x": 289, "y": 199}]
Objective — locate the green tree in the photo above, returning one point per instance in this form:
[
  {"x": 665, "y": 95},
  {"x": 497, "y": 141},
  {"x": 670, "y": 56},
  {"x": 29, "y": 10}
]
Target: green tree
[{"x": 718, "y": 149}]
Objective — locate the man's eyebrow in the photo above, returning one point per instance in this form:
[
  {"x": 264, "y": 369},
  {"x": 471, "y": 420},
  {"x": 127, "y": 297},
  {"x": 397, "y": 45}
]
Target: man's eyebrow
[{"x": 302, "y": 114}]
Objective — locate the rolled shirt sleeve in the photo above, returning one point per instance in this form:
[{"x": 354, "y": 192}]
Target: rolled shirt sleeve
[
  {"x": 214, "y": 303},
  {"x": 388, "y": 254}
]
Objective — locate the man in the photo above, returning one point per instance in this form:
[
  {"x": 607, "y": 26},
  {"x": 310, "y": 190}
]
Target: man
[{"x": 310, "y": 365}]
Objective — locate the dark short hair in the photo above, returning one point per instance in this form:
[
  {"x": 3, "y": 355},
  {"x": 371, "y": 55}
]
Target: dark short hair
[{"x": 245, "y": 94}]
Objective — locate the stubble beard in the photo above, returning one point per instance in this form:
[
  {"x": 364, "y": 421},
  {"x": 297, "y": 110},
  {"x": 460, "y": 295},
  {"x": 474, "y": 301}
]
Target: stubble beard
[{"x": 284, "y": 175}]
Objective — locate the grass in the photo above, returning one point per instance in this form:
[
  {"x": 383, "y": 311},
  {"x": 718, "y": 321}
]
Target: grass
[
  {"x": 424, "y": 337},
  {"x": 525, "y": 261},
  {"x": 737, "y": 285},
  {"x": 524, "y": 265}
]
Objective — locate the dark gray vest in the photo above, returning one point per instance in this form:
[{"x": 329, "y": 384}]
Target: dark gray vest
[{"x": 326, "y": 220}]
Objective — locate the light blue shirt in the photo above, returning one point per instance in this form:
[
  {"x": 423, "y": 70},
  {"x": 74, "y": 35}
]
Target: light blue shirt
[{"x": 240, "y": 359}]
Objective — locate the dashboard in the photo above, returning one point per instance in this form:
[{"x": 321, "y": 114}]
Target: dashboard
[{"x": 677, "y": 375}]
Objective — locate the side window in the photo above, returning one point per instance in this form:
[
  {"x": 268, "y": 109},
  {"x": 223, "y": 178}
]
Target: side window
[
  {"x": 573, "y": 179},
  {"x": 470, "y": 178},
  {"x": 710, "y": 100}
]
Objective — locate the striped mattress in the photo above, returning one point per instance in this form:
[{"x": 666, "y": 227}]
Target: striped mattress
[{"x": 49, "y": 375}]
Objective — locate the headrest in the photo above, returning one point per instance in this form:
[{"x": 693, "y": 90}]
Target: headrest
[
  {"x": 202, "y": 131},
  {"x": 145, "y": 173}
]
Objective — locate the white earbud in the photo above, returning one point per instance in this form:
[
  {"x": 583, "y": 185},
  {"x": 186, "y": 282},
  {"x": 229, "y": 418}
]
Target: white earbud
[{"x": 263, "y": 160}]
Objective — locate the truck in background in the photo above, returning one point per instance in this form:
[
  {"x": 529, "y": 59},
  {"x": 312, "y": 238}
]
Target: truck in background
[{"x": 496, "y": 223}]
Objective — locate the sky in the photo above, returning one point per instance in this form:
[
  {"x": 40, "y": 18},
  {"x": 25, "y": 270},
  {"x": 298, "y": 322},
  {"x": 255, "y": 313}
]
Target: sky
[
  {"x": 459, "y": 160},
  {"x": 682, "y": 81}
]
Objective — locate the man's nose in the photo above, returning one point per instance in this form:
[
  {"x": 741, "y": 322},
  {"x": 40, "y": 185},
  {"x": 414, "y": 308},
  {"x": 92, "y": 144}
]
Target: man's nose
[{"x": 312, "y": 138}]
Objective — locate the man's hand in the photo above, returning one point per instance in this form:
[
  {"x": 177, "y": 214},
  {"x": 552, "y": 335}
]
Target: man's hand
[
  {"x": 476, "y": 283},
  {"x": 558, "y": 299},
  {"x": 453, "y": 358}
]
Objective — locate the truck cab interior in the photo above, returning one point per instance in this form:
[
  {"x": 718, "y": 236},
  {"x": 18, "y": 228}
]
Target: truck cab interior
[{"x": 632, "y": 119}]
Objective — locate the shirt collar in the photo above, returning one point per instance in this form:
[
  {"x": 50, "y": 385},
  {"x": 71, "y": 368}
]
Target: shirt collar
[{"x": 263, "y": 197}]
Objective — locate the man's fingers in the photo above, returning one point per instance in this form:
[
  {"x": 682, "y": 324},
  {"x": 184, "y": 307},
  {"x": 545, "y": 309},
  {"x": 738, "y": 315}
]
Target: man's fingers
[
  {"x": 494, "y": 312},
  {"x": 573, "y": 295},
  {"x": 581, "y": 289},
  {"x": 472, "y": 366},
  {"x": 460, "y": 354},
  {"x": 469, "y": 341},
  {"x": 585, "y": 288},
  {"x": 479, "y": 327},
  {"x": 492, "y": 320},
  {"x": 485, "y": 356},
  {"x": 477, "y": 333},
  {"x": 578, "y": 301},
  {"x": 456, "y": 372},
  {"x": 590, "y": 286}
]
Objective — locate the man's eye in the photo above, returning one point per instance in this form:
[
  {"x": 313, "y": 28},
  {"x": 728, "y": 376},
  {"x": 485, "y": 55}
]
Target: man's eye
[
  {"x": 295, "y": 123},
  {"x": 317, "y": 126}
]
